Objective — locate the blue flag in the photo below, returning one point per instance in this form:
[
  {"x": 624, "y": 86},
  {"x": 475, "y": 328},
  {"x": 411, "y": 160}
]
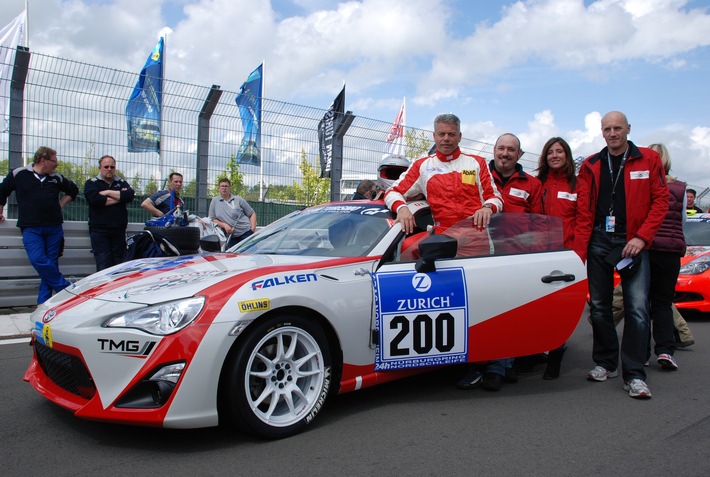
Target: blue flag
[
  {"x": 249, "y": 102},
  {"x": 144, "y": 105}
]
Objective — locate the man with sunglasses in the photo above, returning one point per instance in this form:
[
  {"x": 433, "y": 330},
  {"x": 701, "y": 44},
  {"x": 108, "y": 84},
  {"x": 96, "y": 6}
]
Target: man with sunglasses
[
  {"x": 39, "y": 215},
  {"x": 107, "y": 195}
]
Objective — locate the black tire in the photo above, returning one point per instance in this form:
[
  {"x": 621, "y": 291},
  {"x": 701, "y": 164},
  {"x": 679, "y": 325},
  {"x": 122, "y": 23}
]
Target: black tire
[
  {"x": 186, "y": 239},
  {"x": 255, "y": 374}
]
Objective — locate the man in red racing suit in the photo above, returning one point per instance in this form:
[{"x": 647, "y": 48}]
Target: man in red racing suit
[{"x": 455, "y": 184}]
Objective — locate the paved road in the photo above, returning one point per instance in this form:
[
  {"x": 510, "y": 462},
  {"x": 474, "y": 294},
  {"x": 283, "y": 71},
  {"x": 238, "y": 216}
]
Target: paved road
[{"x": 419, "y": 426}]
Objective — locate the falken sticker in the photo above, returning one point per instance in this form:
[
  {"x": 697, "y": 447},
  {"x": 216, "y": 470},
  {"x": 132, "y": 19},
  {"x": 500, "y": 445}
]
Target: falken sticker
[
  {"x": 422, "y": 319},
  {"x": 284, "y": 280}
]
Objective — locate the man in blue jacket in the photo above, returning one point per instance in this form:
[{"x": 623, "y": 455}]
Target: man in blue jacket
[{"x": 37, "y": 187}]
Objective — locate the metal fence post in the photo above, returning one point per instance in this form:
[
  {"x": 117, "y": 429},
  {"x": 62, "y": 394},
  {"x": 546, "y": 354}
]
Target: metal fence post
[
  {"x": 203, "y": 147},
  {"x": 17, "y": 100}
]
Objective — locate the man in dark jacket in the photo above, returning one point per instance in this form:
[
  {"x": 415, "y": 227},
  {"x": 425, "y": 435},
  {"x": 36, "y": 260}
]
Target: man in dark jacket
[
  {"x": 37, "y": 187},
  {"x": 107, "y": 196},
  {"x": 622, "y": 201}
]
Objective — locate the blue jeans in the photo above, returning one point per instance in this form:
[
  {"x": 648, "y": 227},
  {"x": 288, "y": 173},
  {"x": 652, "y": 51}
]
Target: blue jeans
[
  {"x": 499, "y": 366},
  {"x": 43, "y": 245},
  {"x": 235, "y": 240},
  {"x": 108, "y": 247},
  {"x": 634, "y": 344}
]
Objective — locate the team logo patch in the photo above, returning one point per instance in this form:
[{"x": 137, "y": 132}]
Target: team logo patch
[
  {"x": 254, "y": 305},
  {"x": 469, "y": 177}
]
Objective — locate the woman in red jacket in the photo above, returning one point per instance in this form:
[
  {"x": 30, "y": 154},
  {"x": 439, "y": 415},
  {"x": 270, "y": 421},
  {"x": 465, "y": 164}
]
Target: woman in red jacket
[{"x": 557, "y": 173}]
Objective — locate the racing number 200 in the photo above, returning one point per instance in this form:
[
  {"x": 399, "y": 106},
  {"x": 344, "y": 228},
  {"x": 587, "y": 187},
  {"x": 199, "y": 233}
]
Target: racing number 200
[{"x": 426, "y": 333}]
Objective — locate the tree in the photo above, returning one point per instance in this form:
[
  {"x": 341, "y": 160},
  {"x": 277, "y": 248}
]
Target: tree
[
  {"x": 152, "y": 186},
  {"x": 418, "y": 144},
  {"x": 136, "y": 184},
  {"x": 236, "y": 178},
  {"x": 312, "y": 190}
]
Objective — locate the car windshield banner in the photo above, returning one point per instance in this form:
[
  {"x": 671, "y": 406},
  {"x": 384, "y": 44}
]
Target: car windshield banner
[
  {"x": 144, "y": 105},
  {"x": 249, "y": 102}
]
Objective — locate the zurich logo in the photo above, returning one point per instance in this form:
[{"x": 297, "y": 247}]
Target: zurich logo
[{"x": 421, "y": 282}]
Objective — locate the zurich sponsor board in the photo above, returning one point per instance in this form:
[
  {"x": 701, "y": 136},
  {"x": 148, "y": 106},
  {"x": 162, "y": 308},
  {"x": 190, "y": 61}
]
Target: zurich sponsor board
[{"x": 422, "y": 319}]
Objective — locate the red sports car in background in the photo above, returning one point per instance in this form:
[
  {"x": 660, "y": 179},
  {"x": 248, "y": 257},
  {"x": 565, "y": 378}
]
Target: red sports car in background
[{"x": 693, "y": 287}]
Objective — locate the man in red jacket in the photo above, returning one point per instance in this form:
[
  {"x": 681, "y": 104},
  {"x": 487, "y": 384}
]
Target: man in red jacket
[{"x": 622, "y": 201}]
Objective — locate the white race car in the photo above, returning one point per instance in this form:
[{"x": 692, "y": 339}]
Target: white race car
[{"x": 327, "y": 300}]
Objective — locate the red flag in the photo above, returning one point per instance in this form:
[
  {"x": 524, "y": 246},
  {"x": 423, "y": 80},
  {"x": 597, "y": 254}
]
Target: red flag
[{"x": 395, "y": 138}]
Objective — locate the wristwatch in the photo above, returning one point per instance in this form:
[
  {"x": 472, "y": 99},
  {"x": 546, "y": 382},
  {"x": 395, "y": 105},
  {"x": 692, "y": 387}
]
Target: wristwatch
[{"x": 488, "y": 206}]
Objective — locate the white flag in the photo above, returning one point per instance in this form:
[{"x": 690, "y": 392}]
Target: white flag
[
  {"x": 395, "y": 138},
  {"x": 10, "y": 36}
]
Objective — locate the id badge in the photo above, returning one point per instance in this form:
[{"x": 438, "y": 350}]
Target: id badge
[{"x": 610, "y": 223}]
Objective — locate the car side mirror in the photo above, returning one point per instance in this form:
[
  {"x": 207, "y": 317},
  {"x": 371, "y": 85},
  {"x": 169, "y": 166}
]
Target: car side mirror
[
  {"x": 210, "y": 243},
  {"x": 433, "y": 248}
]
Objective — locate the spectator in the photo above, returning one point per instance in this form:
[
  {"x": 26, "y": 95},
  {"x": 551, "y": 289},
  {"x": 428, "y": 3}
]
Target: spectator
[
  {"x": 522, "y": 193},
  {"x": 37, "y": 187},
  {"x": 164, "y": 201},
  {"x": 107, "y": 195},
  {"x": 690, "y": 196},
  {"x": 233, "y": 214},
  {"x": 664, "y": 257},
  {"x": 365, "y": 190},
  {"x": 556, "y": 171},
  {"x": 622, "y": 201},
  {"x": 457, "y": 186}
]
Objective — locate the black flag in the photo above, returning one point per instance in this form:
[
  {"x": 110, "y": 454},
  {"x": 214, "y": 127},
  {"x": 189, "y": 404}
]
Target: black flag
[{"x": 326, "y": 132}]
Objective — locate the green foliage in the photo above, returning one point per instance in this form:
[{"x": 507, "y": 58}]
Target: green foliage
[
  {"x": 417, "y": 144},
  {"x": 313, "y": 190},
  {"x": 152, "y": 186},
  {"x": 189, "y": 189},
  {"x": 136, "y": 184},
  {"x": 236, "y": 178}
]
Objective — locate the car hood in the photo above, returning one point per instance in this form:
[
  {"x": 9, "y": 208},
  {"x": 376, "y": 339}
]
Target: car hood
[
  {"x": 694, "y": 251},
  {"x": 152, "y": 280}
]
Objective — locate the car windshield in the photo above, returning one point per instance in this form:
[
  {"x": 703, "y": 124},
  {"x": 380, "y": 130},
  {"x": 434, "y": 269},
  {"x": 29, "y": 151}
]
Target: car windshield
[
  {"x": 507, "y": 233},
  {"x": 697, "y": 230},
  {"x": 330, "y": 230}
]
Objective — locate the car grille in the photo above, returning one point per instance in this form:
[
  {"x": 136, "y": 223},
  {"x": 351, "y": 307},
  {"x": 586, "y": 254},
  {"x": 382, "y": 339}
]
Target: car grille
[
  {"x": 66, "y": 371},
  {"x": 689, "y": 296}
]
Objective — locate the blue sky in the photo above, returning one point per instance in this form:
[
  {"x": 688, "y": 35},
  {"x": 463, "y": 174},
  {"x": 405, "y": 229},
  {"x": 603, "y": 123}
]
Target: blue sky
[{"x": 537, "y": 68}]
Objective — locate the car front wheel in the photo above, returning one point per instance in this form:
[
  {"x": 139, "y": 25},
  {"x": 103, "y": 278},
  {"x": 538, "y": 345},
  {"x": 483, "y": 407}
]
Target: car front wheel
[{"x": 279, "y": 377}]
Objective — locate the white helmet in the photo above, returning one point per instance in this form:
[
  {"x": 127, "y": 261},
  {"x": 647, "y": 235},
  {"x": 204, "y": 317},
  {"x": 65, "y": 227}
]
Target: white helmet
[{"x": 391, "y": 167}]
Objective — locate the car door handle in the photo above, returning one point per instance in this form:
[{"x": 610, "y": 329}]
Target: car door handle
[{"x": 565, "y": 277}]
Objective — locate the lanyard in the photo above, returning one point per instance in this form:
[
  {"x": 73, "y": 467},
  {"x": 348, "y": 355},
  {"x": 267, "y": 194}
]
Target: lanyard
[{"x": 615, "y": 180}]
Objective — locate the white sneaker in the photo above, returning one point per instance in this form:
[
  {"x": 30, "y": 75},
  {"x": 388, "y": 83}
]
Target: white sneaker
[
  {"x": 637, "y": 388},
  {"x": 599, "y": 373},
  {"x": 667, "y": 362}
]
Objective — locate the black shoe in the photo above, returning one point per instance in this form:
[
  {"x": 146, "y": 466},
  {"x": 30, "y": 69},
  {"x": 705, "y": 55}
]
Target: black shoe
[
  {"x": 471, "y": 381},
  {"x": 552, "y": 371},
  {"x": 685, "y": 344},
  {"x": 492, "y": 381},
  {"x": 510, "y": 376},
  {"x": 554, "y": 362}
]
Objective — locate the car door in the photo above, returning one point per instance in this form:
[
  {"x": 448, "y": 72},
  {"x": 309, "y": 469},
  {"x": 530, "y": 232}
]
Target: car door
[{"x": 511, "y": 290}]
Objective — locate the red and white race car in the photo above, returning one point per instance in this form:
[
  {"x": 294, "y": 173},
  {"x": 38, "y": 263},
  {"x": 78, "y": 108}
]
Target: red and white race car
[{"x": 327, "y": 300}]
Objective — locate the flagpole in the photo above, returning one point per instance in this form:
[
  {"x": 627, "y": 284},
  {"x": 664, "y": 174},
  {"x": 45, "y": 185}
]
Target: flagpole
[
  {"x": 261, "y": 152},
  {"x": 162, "y": 93}
]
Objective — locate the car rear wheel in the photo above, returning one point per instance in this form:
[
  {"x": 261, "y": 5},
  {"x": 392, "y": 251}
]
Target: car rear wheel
[{"x": 279, "y": 377}]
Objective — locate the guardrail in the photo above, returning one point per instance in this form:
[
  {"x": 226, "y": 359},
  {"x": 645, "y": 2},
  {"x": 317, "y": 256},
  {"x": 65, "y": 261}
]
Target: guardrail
[{"x": 19, "y": 282}]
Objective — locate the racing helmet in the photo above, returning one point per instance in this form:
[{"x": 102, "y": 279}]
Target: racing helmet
[{"x": 391, "y": 167}]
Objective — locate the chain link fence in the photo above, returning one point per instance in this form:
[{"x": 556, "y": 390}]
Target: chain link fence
[{"x": 79, "y": 110}]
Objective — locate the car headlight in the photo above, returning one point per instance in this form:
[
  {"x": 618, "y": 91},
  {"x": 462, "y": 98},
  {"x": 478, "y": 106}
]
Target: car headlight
[
  {"x": 163, "y": 319},
  {"x": 697, "y": 266}
]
